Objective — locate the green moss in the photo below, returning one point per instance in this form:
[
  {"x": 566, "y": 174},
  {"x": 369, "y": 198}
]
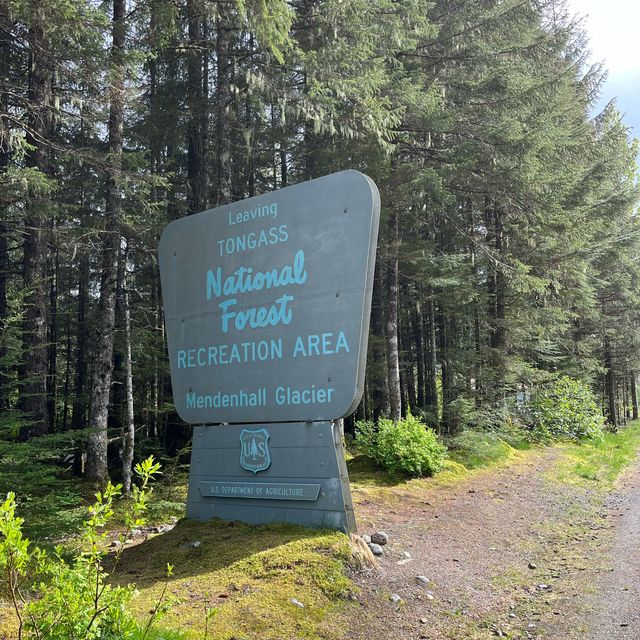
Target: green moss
[{"x": 249, "y": 575}]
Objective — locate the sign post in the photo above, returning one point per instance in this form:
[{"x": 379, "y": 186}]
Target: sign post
[{"x": 267, "y": 305}]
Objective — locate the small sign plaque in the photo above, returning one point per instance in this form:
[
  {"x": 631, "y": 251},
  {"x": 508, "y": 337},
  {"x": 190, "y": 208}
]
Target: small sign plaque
[{"x": 260, "y": 490}]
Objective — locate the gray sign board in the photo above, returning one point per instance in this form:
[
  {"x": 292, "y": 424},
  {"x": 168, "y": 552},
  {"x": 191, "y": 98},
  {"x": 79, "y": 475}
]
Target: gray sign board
[
  {"x": 302, "y": 476},
  {"x": 267, "y": 303}
]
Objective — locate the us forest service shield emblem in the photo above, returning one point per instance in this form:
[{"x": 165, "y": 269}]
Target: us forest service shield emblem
[{"x": 254, "y": 450}]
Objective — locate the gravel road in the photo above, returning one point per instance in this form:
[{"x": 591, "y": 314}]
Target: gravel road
[
  {"x": 507, "y": 553},
  {"x": 616, "y": 613}
]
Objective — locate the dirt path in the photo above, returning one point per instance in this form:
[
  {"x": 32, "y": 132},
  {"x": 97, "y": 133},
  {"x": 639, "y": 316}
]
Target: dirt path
[
  {"x": 507, "y": 554},
  {"x": 616, "y": 613}
]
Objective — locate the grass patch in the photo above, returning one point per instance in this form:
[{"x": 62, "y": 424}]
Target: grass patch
[
  {"x": 475, "y": 449},
  {"x": 248, "y": 575},
  {"x": 600, "y": 460},
  {"x": 468, "y": 453},
  {"x": 370, "y": 482}
]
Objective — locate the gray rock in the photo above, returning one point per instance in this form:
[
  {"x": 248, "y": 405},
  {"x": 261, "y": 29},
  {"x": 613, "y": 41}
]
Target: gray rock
[
  {"x": 532, "y": 565},
  {"x": 423, "y": 580},
  {"x": 191, "y": 545},
  {"x": 376, "y": 549},
  {"x": 366, "y": 539},
  {"x": 395, "y": 598},
  {"x": 297, "y": 603},
  {"x": 379, "y": 537},
  {"x": 423, "y": 621}
]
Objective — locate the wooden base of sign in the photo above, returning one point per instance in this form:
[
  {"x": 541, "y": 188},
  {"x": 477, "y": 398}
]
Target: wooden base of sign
[{"x": 281, "y": 472}]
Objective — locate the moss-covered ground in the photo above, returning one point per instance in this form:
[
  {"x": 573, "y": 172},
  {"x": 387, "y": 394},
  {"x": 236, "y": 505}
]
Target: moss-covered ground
[{"x": 276, "y": 581}]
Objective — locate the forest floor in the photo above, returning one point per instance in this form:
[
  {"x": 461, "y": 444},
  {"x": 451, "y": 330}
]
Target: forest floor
[{"x": 543, "y": 544}]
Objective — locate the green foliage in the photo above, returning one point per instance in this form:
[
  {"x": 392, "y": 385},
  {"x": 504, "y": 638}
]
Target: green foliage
[
  {"x": 260, "y": 569},
  {"x": 408, "y": 446},
  {"x": 565, "y": 408},
  {"x": 504, "y": 422},
  {"x": 600, "y": 459},
  {"x": 475, "y": 449},
  {"x": 365, "y": 438},
  {"x": 73, "y": 600}
]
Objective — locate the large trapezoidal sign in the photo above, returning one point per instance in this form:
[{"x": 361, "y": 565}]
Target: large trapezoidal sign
[{"x": 267, "y": 303}]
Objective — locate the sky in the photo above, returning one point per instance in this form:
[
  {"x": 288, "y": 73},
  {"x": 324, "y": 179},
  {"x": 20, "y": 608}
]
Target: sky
[{"x": 612, "y": 26}]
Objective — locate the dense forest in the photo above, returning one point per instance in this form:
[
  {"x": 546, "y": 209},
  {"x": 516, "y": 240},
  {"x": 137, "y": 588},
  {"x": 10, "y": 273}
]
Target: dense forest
[{"x": 509, "y": 248}]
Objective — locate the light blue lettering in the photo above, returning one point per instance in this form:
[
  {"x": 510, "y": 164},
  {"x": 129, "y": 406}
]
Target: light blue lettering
[
  {"x": 325, "y": 344},
  {"x": 342, "y": 343},
  {"x": 244, "y": 280},
  {"x": 256, "y": 317},
  {"x": 310, "y": 395}
]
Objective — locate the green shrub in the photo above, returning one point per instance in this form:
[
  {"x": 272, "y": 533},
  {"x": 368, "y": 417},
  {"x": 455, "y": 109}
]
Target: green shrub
[
  {"x": 504, "y": 423},
  {"x": 408, "y": 446},
  {"x": 365, "y": 440},
  {"x": 478, "y": 449},
  {"x": 564, "y": 409},
  {"x": 74, "y": 599}
]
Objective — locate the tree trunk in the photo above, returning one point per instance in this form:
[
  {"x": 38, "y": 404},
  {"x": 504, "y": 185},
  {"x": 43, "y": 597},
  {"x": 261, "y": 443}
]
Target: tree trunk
[
  {"x": 496, "y": 284},
  {"x": 155, "y": 381},
  {"x": 407, "y": 368},
  {"x": 4, "y": 315},
  {"x": 128, "y": 438},
  {"x": 5, "y": 61},
  {"x": 609, "y": 383},
  {"x": 52, "y": 381},
  {"x": 443, "y": 349},
  {"x": 378, "y": 369},
  {"x": 418, "y": 337},
  {"x": 634, "y": 396},
  {"x": 79, "y": 410},
  {"x": 224, "y": 102},
  {"x": 33, "y": 374},
  {"x": 477, "y": 365},
  {"x": 625, "y": 399},
  {"x": 96, "y": 467},
  {"x": 197, "y": 105},
  {"x": 431, "y": 397},
  {"x": 67, "y": 368},
  {"x": 393, "y": 353}
]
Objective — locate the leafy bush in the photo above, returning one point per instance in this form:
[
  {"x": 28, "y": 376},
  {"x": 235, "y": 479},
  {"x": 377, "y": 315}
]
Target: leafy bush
[
  {"x": 564, "y": 409},
  {"x": 365, "y": 440},
  {"x": 503, "y": 423},
  {"x": 73, "y": 600},
  {"x": 478, "y": 449},
  {"x": 408, "y": 446}
]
